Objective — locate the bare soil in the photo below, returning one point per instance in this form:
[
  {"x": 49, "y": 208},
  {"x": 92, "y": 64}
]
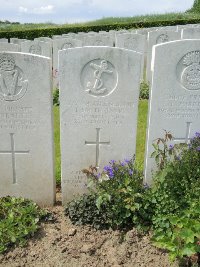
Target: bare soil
[{"x": 61, "y": 244}]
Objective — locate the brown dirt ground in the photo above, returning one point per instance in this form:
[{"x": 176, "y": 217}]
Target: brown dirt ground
[{"x": 61, "y": 244}]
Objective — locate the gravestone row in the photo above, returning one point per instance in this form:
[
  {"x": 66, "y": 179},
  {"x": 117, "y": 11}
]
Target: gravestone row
[
  {"x": 138, "y": 40},
  {"x": 99, "y": 92}
]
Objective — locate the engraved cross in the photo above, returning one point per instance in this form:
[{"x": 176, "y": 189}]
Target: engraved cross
[
  {"x": 187, "y": 138},
  {"x": 13, "y": 152},
  {"x": 97, "y": 143}
]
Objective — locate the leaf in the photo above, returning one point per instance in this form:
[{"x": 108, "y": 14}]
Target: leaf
[
  {"x": 172, "y": 256},
  {"x": 174, "y": 220},
  {"x": 188, "y": 250},
  {"x": 99, "y": 201},
  {"x": 188, "y": 235},
  {"x": 13, "y": 239}
]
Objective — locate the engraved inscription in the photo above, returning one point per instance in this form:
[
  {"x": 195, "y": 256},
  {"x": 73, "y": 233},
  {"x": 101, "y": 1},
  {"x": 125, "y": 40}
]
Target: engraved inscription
[
  {"x": 97, "y": 143},
  {"x": 13, "y": 152},
  {"x": 35, "y": 49},
  {"x": 180, "y": 106},
  {"x": 188, "y": 71},
  {"x": 99, "y": 77},
  {"x": 18, "y": 118},
  {"x": 67, "y": 45},
  {"x": 98, "y": 113},
  {"x": 76, "y": 179},
  {"x": 163, "y": 38},
  {"x": 12, "y": 83}
]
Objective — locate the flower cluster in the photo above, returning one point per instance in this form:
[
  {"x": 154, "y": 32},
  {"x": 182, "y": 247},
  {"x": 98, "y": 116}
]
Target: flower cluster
[{"x": 118, "y": 168}]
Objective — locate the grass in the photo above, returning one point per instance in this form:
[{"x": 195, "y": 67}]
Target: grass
[
  {"x": 141, "y": 135},
  {"x": 141, "y": 132},
  {"x": 103, "y": 21},
  {"x": 57, "y": 144},
  {"x": 145, "y": 18}
]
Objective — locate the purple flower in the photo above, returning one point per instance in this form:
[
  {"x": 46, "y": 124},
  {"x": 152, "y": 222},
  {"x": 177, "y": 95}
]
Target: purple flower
[
  {"x": 198, "y": 148},
  {"x": 197, "y": 134},
  {"x": 109, "y": 170},
  {"x": 130, "y": 172},
  {"x": 127, "y": 161},
  {"x": 111, "y": 174},
  {"x": 171, "y": 147},
  {"x": 123, "y": 164},
  {"x": 112, "y": 161}
]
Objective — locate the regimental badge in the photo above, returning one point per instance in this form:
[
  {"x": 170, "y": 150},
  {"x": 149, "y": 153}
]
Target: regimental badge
[{"x": 13, "y": 86}]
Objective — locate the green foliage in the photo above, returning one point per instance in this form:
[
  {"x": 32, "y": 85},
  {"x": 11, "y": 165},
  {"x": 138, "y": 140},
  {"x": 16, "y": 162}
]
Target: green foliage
[
  {"x": 170, "y": 208},
  {"x": 146, "y": 22},
  {"x": 84, "y": 211},
  {"x": 162, "y": 152},
  {"x": 175, "y": 194},
  {"x": 19, "y": 219},
  {"x": 195, "y": 8},
  {"x": 141, "y": 133},
  {"x": 182, "y": 238},
  {"x": 56, "y": 101},
  {"x": 57, "y": 144},
  {"x": 144, "y": 90},
  {"x": 119, "y": 196}
]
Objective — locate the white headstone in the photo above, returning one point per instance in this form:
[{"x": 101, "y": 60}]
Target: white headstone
[
  {"x": 158, "y": 37},
  {"x": 190, "y": 33},
  {"x": 135, "y": 42},
  {"x": 57, "y": 37},
  {"x": 3, "y": 40},
  {"x": 17, "y": 41},
  {"x": 60, "y": 44},
  {"x": 9, "y": 47},
  {"x": 43, "y": 39},
  {"x": 26, "y": 132},
  {"x": 175, "y": 95},
  {"x": 99, "y": 40},
  {"x": 37, "y": 47},
  {"x": 99, "y": 91}
]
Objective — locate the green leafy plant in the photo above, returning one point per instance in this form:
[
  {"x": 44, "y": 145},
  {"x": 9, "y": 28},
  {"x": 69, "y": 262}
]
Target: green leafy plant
[
  {"x": 195, "y": 8},
  {"x": 115, "y": 199},
  {"x": 175, "y": 192},
  {"x": 19, "y": 219},
  {"x": 144, "y": 90},
  {"x": 84, "y": 211},
  {"x": 120, "y": 188},
  {"x": 56, "y": 101},
  {"x": 165, "y": 153},
  {"x": 182, "y": 238}
]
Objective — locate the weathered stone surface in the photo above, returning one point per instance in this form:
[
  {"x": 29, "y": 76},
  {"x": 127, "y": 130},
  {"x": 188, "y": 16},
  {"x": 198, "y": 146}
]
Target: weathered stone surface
[
  {"x": 99, "y": 91},
  {"x": 3, "y": 40},
  {"x": 175, "y": 95},
  {"x": 158, "y": 37},
  {"x": 135, "y": 42},
  {"x": 37, "y": 47},
  {"x": 26, "y": 132},
  {"x": 59, "y": 44},
  {"x": 190, "y": 33},
  {"x": 98, "y": 40},
  {"x": 9, "y": 47}
]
